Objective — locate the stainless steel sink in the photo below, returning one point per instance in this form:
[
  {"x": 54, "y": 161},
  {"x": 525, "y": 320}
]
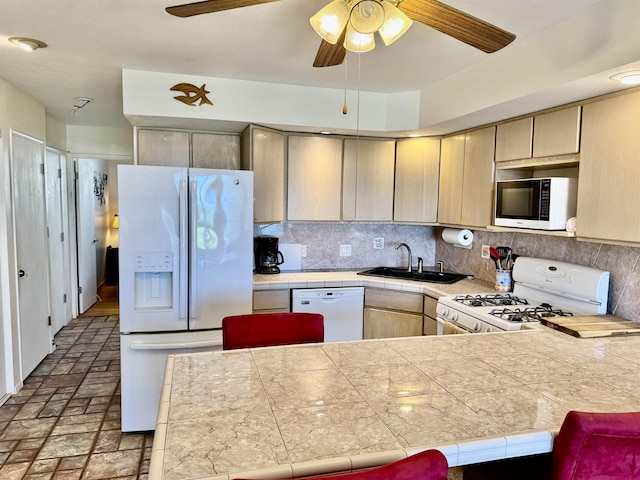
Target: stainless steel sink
[{"x": 425, "y": 276}]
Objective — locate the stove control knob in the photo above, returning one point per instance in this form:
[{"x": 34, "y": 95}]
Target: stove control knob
[
  {"x": 454, "y": 316},
  {"x": 476, "y": 327},
  {"x": 445, "y": 311}
]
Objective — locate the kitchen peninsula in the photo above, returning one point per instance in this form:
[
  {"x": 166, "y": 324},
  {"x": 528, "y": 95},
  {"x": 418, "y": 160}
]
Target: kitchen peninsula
[{"x": 310, "y": 409}]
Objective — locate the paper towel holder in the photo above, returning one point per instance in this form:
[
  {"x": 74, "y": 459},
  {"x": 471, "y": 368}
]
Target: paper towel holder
[{"x": 462, "y": 238}]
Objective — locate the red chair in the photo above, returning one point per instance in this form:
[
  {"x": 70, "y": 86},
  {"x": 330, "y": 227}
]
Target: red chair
[
  {"x": 271, "y": 329},
  {"x": 589, "y": 446},
  {"x": 427, "y": 465},
  {"x": 602, "y": 446}
]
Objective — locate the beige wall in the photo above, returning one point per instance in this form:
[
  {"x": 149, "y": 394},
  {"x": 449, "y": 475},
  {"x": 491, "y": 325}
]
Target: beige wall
[{"x": 100, "y": 141}]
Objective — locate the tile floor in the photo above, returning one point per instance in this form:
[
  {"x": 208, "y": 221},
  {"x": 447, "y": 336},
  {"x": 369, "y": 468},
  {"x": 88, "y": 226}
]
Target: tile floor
[{"x": 64, "y": 424}]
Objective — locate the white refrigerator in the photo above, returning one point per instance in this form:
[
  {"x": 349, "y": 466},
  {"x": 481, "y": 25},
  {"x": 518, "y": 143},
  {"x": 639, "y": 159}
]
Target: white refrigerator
[{"x": 185, "y": 262}]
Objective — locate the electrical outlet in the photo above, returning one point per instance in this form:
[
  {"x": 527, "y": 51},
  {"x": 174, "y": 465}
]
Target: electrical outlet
[
  {"x": 485, "y": 251},
  {"x": 345, "y": 250},
  {"x": 303, "y": 250},
  {"x": 378, "y": 243}
]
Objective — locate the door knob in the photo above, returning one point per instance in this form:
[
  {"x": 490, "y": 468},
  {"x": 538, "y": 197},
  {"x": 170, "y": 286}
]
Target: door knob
[{"x": 21, "y": 273}]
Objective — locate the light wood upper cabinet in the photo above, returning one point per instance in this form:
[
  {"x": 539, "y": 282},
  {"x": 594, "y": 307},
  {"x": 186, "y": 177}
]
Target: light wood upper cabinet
[
  {"x": 368, "y": 180},
  {"x": 215, "y": 150},
  {"x": 263, "y": 151},
  {"x": 314, "y": 178},
  {"x": 610, "y": 170},
  {"x": 477, "y": 183},
  {"x": 557, "y": 133},
  {"x": 417, "y": 172},
  {"x": 163, "y": 148},
  {"x": 544, "y": 135},
  {"x": 514, "y": 140},
  {"x": 466, "y": 178},
  {"x": 451, "y": 171}
]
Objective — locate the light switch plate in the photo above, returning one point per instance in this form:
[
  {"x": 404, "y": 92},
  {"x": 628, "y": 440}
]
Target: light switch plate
[
  {"x": 303, "y": 250},
  {"x": 378, "y": 243},
  {"x": 345, "y": 250},
  {"x": 485, "y": 251}
]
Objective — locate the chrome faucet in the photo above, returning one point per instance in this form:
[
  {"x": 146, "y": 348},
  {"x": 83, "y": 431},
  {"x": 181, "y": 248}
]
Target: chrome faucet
[
  {"x": 441, "y": 265},
  {"x": 408, "y": 250},
  {"x": 419, "y": 264}
]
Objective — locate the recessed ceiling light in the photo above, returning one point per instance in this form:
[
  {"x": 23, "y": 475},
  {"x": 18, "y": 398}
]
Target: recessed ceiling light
[
  {"x": 627, "y": 78},
  {"x": 326, "y": 132},
  {"x": 413, "y": 135},
  {"x": 28, "y": 44}
]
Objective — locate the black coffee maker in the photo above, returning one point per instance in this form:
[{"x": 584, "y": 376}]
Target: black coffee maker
[{"x": 266, "y": 254}]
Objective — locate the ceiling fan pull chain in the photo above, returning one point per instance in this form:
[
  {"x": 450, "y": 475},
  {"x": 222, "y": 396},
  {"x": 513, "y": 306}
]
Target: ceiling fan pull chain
[{"x": 344, "y": 105}]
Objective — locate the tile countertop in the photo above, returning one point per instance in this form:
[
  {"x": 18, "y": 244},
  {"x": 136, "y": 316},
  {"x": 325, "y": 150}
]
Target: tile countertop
[
  {"x": 352, "y": 279},
  {"x": 308, "y": 409}
]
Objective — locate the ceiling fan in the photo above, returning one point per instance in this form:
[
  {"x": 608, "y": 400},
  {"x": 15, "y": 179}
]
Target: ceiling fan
[{"x": 448, "y": 20}]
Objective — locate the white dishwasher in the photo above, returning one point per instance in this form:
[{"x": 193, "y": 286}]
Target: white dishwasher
[{"x": 341, "y": 307}]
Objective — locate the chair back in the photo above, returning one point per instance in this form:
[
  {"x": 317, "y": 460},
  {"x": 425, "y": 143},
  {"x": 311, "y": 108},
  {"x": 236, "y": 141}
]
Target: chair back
[
  {"x": 271, "y": 329},
  {"x": 602, "y": 446},
  {"x": 427, "y": 465}
]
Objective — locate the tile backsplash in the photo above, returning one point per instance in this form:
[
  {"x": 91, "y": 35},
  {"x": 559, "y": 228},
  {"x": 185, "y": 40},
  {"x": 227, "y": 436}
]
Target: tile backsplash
[
  {"x": 323, "y": 240},
  {"x": 622, "y": 262}
]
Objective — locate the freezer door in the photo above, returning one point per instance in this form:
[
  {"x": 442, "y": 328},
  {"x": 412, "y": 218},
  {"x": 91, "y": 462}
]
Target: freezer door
[
  {"x": 142, "y": 360},
  {"x": 220, "y": 245},
  {"x": 152, "y": 204}
]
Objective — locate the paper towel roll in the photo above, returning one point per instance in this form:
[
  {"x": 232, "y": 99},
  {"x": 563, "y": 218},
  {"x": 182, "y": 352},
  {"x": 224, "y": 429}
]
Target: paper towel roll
[{"x": 458, "y": 237}]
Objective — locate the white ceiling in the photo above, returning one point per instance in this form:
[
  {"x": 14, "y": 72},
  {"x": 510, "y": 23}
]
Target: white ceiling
[{"x": 91, "y": 41}]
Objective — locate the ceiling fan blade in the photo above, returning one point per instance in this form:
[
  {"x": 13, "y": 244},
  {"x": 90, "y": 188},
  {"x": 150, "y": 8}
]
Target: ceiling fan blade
[
  {"x": 330, "y": 55},
  {"x": 457, "y": 24},
  {"x": 211, "y": 6}
]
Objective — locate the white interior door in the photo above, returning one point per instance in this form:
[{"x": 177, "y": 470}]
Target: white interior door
[
  {"x": 87, "y": 171},
  {"x": 5, "y": 346},
  {"x": 57, "y": 239},
  {"x": 27, "y": 164}
]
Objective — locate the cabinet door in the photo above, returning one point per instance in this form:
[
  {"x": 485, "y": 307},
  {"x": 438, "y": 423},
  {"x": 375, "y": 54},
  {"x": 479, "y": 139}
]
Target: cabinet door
[
  {"x": 477, "y": 185},
  {"x": 610, "y": 170},
  {"x": 315, "y": 178},
  {"x": 451, "y": 171},
  {"x": 416, "y": 189},
  {"x": 368, "y": 180},
  {"x": 263, "y": 151},
  {"x": 213, "y": 150},
  {"x": 271, "y": 301},
  {"x": 387, "y": 324},
  {"x": 514, "y": 140},
  {"x": 557, "y": 133},
  {"x": 163, "y": 148}
]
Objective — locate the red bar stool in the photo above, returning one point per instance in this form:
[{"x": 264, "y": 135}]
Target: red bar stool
[{"x": 271, "y": 329}]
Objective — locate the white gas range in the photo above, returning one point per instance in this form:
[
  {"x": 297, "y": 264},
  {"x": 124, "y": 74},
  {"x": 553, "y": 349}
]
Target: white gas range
[{"x": 542, "y": 288}]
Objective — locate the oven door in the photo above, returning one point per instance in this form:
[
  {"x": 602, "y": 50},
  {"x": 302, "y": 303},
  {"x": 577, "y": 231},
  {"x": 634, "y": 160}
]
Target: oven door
[{"x": 447, "y": 328}]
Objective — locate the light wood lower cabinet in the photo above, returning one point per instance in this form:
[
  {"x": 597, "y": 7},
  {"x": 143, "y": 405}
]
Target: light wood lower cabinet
[
  {"x": 389, "y": 313},
  {"x": 267, "y": 301},
  {"x": 430, "y": 325},
  {"x": 380, "y": 323}
]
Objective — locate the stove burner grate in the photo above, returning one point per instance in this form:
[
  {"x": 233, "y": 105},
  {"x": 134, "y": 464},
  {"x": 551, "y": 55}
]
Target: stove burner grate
[
  {"x": 490, "y": 299},
  {"x": 529, "y": 314}
]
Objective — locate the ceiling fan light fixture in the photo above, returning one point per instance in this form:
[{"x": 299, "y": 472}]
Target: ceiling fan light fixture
[
  {"x": 358, "y": 42},
  {"x": 331, "y": 20},
  {"x": 367, "y": 16},
  {"x": 396, "y": 23}
]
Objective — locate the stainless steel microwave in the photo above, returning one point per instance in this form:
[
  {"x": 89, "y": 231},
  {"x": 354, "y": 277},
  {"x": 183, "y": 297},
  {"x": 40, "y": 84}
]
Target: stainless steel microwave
[{"x": 536, "y": 203}]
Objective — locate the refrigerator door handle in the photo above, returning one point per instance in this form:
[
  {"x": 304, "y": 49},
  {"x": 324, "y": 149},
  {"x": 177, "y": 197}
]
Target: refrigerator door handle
[
  {"x": 193, "y": 248},
  {"x": 183, "y": 250},
  {"x": 175, "y": 345}
]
